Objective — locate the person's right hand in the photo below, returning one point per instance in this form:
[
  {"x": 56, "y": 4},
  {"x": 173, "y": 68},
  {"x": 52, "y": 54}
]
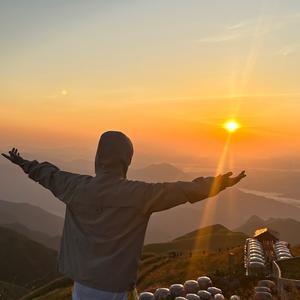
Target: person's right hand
[{"x": 14, "y": 156}]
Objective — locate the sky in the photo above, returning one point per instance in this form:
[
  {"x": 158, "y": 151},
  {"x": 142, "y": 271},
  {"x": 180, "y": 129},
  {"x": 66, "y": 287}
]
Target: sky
[{"x": 168, "y": 73}]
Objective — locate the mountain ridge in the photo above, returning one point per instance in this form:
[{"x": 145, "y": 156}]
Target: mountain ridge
[
  {"x": 288, "y": 228},
  {"x": 31, "y": 216},
  {"x": 209, "y": 238}
]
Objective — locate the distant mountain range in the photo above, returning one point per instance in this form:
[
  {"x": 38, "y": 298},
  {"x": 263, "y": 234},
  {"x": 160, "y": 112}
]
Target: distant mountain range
[
  {"x": 288, "y": 228},
  {"x": 277, "y": 176},
  {"x": 157, "y": 173},
  {"x": 231, "y": 208},
  {"x": 282, "y": 181}
]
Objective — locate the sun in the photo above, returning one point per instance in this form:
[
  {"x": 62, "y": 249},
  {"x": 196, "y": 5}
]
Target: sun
[
  {"x": 231, "y": 125},
  {"x": 64, "y": 93}
]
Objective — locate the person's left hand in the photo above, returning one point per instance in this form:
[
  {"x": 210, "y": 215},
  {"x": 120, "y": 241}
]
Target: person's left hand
[
  {"x": 227, "y": 181},
  {"x": 14, "y": 156}
]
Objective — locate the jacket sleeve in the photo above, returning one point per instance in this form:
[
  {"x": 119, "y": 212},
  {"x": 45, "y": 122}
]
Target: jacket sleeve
[
  {"x": 154, "y": 197},
  {"x": 62, "y": 184}
]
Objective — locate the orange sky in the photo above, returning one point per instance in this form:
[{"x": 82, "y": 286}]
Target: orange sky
[{"x": 169, "y": 78}]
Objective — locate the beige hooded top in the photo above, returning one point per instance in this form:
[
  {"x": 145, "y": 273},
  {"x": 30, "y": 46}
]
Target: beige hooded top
[{"x": 107, "y": 215}]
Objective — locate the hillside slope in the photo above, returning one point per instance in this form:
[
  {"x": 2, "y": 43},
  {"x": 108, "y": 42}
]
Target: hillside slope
[
  {"x": 10, "y": 291},
  {"x": 51, "y": 242},
  {"x": 210, "y": 238},
  {"x": 158, "y": 270},
  {"x": 59, "y": 288},
  {"x": 23, "y": 261},
  {"x": 167, "y": 271}
]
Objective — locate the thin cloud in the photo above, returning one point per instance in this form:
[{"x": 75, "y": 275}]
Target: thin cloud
[
  {"x": 272, "y": 96},
  {"x": 250, "y": 27},
  {"x": 236, "y": 31},
  {"x": 220, "y": 38},
  {"x": 287, "y": 50},
  {"x": 237, "y": 25}
]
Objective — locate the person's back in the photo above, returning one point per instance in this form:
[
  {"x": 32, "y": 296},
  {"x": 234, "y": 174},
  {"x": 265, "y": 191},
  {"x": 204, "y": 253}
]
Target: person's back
[
  {"x": 107, "y": 215},
  {"x": 104, "y": 231}
]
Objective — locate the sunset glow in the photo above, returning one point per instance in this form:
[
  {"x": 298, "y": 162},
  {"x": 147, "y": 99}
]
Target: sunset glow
[{"x": 62, "y": 87}]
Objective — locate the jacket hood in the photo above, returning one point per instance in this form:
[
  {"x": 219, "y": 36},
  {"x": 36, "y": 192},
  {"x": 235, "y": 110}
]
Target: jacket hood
[{"x": 114, "y": 153}]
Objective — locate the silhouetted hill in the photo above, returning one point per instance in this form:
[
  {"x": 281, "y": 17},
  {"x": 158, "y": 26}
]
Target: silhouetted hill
[
  {"x": 167, "y": 225},
  {"x": 51, "y": 242},
  {"x": 210, "y": 238},
  {"x": 33, "y": 217},
  {"x": 23, "y": 261},
  {"x": 288, "y": 228}
]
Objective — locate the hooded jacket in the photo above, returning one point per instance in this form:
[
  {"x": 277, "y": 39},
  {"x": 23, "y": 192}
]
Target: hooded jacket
[{"x": 107, "y": 215}]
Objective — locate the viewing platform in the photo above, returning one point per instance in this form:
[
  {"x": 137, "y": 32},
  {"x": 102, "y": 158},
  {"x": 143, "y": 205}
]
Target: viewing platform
[{"x": 265, "y": 255}]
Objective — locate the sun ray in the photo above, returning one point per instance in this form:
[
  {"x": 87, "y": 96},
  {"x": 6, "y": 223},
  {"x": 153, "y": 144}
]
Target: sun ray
[{"x": 209, "y": 206}]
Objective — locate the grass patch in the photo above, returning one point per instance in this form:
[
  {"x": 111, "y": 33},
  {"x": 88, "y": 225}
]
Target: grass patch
[{"x": 10, "y": 291}]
